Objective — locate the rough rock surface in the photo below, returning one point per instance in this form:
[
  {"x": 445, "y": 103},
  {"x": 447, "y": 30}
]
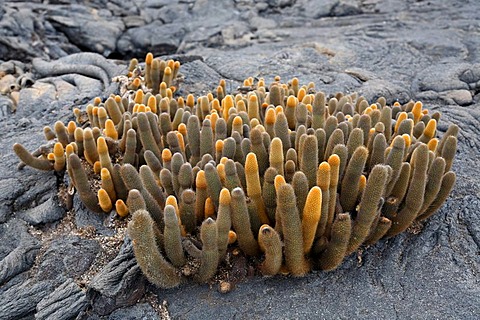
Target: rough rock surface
[{"x": 401, "y": 50}]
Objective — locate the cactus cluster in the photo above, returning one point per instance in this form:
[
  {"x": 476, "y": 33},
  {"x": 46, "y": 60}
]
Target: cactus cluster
[{"x": 294, "y": 179}]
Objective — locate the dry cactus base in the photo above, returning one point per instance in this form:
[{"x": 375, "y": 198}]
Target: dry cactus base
[{"x": 292, "y": 178}]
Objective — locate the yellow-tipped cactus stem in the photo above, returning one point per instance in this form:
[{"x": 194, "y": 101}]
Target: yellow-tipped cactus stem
[
  {"x": 104, "y": 200},
  {"x": 224, "y": 222},
  {"x": 292, "y": 231},
  {"x": 310, "y": 218},
  {"x": 254, "y": 190},
  {"x": 59, "y": 155},
  {"x": 121, "y": 208}
]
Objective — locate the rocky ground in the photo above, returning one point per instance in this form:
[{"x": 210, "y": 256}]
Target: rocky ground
[{"x": 56, "y": 264}]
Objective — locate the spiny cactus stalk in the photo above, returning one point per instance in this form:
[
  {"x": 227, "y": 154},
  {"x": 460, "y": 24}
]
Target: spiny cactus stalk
[{"x": 283, "y": 173}]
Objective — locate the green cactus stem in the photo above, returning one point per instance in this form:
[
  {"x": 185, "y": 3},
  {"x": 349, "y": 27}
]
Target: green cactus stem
[
  {"x": 27, "y": 158},
  {"x": 271, "y": 244},
  {"x": 209, "y": 258},
  {"x": 336, "y": 248},
  {"x": 152, "y": 263}
]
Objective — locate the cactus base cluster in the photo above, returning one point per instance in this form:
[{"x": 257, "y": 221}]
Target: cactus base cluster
[{"x": 279, "y": 173}]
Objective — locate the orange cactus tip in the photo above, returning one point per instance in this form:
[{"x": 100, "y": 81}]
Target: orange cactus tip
[
  {"x": 430, "y": 128},
  {"x": 136, "y": 82},
  {"x": 147, "y": 109},
  {"x": 301, "y": 94},
  {"x": 209, "y": 208},
  {"x": 104, "y": 200},
  {"x": 166, "y": 155},
  {"x": 221, "y": 171},
  {"x": 310, "y": 108},
  {"x": 277, "y": 78},
  {"x": 71, "y": 127},
  {"x": 219, "y": 146},
  {"x": 246, "y": 83},
  {"x": 141, "y": 108},
  {"x": 210, "y": 97},
  {"x": 253, "y": 98},
  {"x": 324, "y": 167},
  {"x": 291, "y": 102},
  {"x": 138, "y": 96},
  {"x": 110, "y": 130},
  {"x": 69, "y": 149},
  {"x": 51, "y": 156},
  {"x": 232, "y": 237},
  {"x": 295, "y": 82},
  {"x": 152, "y": 103},
  {"x": 58, "y": 150},
  {"x": 149, "y": 58},
  {"x": 251, "y": 164},
  {"x": 408, "y": 140},
  {"x": 121, "y": 208},
  {"x": 163, "y": 86},
  {"x": 216, "y": 105},
  {"x": 97, "y": 101},
  {"x": 181, "y": 141},
  {"x": 105, "y": 174},
  {"x": 237, "y": 121},
  {"x": 95, "y": 111},
  {"x": 171, "y": 200},
  {"x": 201, "y": 181},
  {"x": 118, "y": 99},
  {"x": 373, "y": 106},
  {"x": 278, "y": 109},
  {"x": 432, "y": 144},
  {"x": 396, "y": 104},
  {"x": 279, "y": 181},
  {"x": 182, "y": 128},
  {"x": 334, "y": 160},
  {"x": 270, "y": 117},
  {"x": 228, "y": 102},
  {"x": 362, "y": 182},
  {"x": 190, "y": 100},
  {"x": 225, "y": 197},
  {"x": 167, "y": 71},
  {"x": 402, "y": 116},
  {"x": 76, "y": 111},
  {"x": 102, "y": 145}
]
